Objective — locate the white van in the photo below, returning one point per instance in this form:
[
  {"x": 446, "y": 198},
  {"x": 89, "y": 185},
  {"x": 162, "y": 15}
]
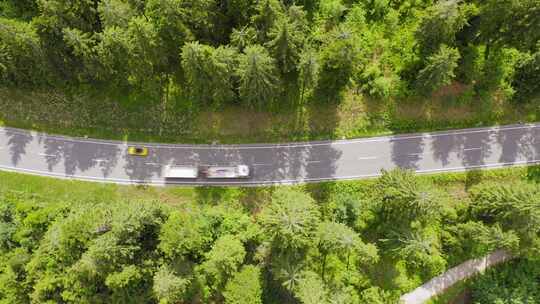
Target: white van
[
  {"x": 181, "y": 172},
  {"x": 240, "y": 171}
]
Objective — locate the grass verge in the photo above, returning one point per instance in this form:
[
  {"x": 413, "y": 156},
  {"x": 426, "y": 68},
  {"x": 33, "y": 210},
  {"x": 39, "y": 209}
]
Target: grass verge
[
  {"x": 49, "y": 188},
  {"x": 140, "y": 119}
]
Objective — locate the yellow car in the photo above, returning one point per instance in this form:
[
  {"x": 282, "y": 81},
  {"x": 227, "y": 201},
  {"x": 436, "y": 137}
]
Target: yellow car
[{"x": 138, "y": 151}]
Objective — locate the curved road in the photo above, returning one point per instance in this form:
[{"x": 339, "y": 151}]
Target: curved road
[{"x": 107, "y": 161}]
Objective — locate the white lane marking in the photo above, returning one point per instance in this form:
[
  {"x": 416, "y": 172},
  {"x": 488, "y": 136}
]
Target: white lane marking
[
  {"x": 47, "y": 155},
  {"x": 314, "y": 161},
  {"x": 367, "y": 158},
  {"x": 290, "y": 145},
  {"x": 494, "y": 165},
  {"x": 255, "y": 183},
  {"x": 472, "y": 149},
  {"x": 99, "y": 160},
  {"x": 416, "y": 154},
  {"x": 268, "y": 164},
  {"x": 154, "y": 164}
]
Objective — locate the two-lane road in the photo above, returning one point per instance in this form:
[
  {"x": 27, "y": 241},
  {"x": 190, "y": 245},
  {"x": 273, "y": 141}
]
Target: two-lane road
[{"x": 107, "y": 161}]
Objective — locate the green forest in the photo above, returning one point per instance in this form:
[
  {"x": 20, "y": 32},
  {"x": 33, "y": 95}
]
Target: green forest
[
  {"x": 267, "y": 70},
  {"x": 515, "y": 282},
  {"x": 188, "y": 69},
  {"x": 343, "y": 242}
]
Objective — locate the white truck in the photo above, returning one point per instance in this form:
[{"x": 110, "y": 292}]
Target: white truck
[
  {"x": 239, "y": 171},
  {"x": 172, "y": 172}
]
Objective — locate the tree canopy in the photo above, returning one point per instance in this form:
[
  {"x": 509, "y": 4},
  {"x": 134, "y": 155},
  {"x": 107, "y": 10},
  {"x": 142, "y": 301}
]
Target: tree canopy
[
  {"x": 263, "y": 52},
  {"x": 349, "y": 242}
]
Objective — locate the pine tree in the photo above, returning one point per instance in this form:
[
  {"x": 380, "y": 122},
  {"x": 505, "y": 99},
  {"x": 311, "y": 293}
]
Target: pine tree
[
  {"x": 258, "y": 79},
  {"x": 438, "y": 71},
  {"x": 285, "y": 45},
  {"x": 291, "y": 219},
  {"x": 309, "y": 71},
  {"x": 268, "y": 12}
]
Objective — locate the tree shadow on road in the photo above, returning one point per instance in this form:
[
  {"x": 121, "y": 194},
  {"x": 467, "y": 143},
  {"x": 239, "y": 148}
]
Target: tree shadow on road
[
  {"x": 17, "y": 144},
  {"x": 472, "y": 149},
  {"x": 518, "y": 142},
  {"x": 79, "y": 156},
  {"x": 406, "y": 154}
]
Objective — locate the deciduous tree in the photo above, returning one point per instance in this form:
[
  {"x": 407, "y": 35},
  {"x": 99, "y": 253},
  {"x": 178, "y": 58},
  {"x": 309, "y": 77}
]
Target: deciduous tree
[
  {"x": 244, "y": 287},
  {"x": 221, "y": 263},
  {"x": 311, "y": 289},
  {"x": 527, "y": 77},
  {"x": 184, "y": 235},
  {"x": 339, "y": 56},
  {"x": 510, "y": 22},
  {"x": 439, "y": 26},
  {"x": 168, "y": 287}
]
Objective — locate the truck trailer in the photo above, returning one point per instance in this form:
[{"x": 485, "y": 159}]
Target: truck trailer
[
  {"x": 239, "y": 171},
  {"x": 172, "y": 172}
]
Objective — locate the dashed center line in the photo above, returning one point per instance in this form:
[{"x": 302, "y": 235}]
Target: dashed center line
[
  {"x": 314, "y": 161},
  {"x": 47, "y": 155},
  {"x": 471, "y": 149},
  {"x": 154, "y": 164},
  {"x": 100, "y": 160},
  {"x": 367, "y": 158}
]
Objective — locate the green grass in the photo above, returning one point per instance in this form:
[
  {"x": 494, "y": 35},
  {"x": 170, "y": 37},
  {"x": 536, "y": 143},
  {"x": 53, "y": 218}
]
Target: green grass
[
  {"x": 252, "y": 198},
  {"x": 54, "y": 189},
  {"x": 449, "y": 296},
  {"x": 51, "y": 189},
  {"x": 140, "y": 119}
]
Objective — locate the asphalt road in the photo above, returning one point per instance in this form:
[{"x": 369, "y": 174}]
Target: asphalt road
[{"x": 107, "y": 161}]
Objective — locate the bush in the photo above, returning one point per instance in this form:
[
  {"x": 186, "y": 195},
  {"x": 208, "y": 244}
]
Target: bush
[
  {"x": 527, "y": 78},
  {"x": 516, "y": 282}
]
